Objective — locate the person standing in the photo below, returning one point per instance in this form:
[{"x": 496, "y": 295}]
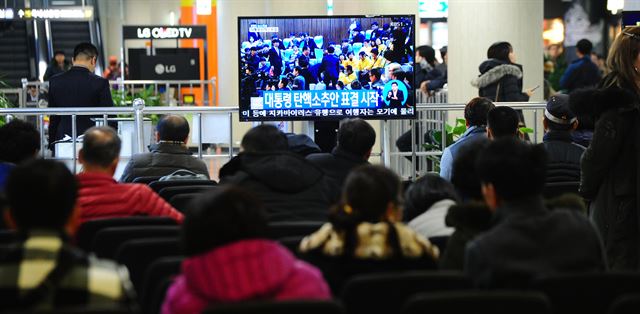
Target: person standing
[
  {"x": 610, "y": 164},
  {"x": 275, "y": 57},
  {"x": 78, "y": 87},
  {"x": 582, "y": 72},
  {"x": 57, "y": 65}
]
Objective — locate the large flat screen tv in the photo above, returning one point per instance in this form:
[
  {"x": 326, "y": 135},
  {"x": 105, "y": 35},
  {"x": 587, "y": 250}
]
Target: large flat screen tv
[{"x": 326, "y": 67}]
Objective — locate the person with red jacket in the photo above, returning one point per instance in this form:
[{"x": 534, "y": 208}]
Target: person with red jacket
[
  {"x": 230, "y": 258},
  {"x": 100, "y": 196}
]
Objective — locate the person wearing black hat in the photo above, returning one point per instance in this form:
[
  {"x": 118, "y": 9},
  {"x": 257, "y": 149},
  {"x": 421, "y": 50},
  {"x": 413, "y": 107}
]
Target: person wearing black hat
[{"x": 564, "y": 154}]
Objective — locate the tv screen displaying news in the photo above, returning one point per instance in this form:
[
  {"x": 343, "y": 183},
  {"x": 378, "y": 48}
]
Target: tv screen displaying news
[{"x": 326, "y": 67}]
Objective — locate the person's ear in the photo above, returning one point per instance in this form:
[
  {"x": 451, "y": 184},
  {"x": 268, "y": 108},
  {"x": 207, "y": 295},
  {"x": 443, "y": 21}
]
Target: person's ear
[
  {"x": 489, "y": 133},
  {"x": 81, "y": 156},
  {"x": 8, "y": 219},
  {"x": 157, "y": 136},
  {"x": 367, "y": 155},
  {"x": 490, "y": 196},
  {"x": 114, "y": 165},
  {"x": 72, "y": 225},
  {"x": 574, "y": 125},
  {"x": 393, "y": 213},
  {"x": 545, "y": 124}
]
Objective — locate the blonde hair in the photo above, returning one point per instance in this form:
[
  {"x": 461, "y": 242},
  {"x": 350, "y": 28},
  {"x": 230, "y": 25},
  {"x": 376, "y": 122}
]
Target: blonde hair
[{"x": 622, "y": 56}]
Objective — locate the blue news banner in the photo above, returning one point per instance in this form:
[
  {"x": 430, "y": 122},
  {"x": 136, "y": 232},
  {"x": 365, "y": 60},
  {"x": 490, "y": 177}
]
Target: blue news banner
[{"x": 323, "y": 103}]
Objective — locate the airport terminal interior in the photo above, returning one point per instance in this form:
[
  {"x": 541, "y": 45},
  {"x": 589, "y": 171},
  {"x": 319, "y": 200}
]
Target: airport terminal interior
[{"x": 320, "y": 156}]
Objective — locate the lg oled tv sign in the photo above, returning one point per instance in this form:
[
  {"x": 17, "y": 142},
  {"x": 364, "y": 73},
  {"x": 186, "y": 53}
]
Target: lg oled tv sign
[{"x": 164, "y": 32}]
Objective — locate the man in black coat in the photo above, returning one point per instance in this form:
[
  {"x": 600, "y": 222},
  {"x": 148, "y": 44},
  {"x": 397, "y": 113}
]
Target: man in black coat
[
  {"x": 395, "y": 97},
  {"x": 528, "y": 241},
  {"x": 275, "y": 57},
  {"x": 291, "y": 188},
  {"x": 564, "y": 155},
  {"x": 355, "y": 140},
  {"x": 168, "y": 155},
  {"x": 78, "y": 87}
]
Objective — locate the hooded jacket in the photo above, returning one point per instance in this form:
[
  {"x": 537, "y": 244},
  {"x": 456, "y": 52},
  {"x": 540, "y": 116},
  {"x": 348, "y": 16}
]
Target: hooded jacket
[
  {"x": 609, "y": 170},
  {"x": 243, "y": 270},
  {"x": 500, "y": 81},
  {"x": 164, "y": 159},
  {"x": 291, "y": 188}
]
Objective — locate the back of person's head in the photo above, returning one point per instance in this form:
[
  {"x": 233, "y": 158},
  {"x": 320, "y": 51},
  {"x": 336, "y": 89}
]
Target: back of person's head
[
  {"x": 464, "y": 174},
  {"x": 375, "y": 51},
  {"x": 85, "y": 51},
  {"x": 331, "y": 50},
  {"x": 356, "y": 136},
  {"x": 264, "y": 138},
  {"x": 375, "y": 72},
  {"x": 394, "y": 68},
  {"x": 443, "y": 52},
  {"x": 500, "y": 51},
  {"x": 476, "y": 111},
  {"x": 41, "y": 194},
  {"x": 425, "y": 192},
  {"x": 19, "y": 141},
  {"x": 428, "y": 53},
  {"x": 584, "y": 46},
  {"x": 173, "y": 128},
  {"x": 515, "y": 168},
  {"x": 503, "y": 121},
  {"x": 355, "y": 85},
  {"x": 557, "y": 114},
  {"x": 224, "y": 216},
  {"x": 370, "y": 194},
  {"x": 100, "y": 147}
]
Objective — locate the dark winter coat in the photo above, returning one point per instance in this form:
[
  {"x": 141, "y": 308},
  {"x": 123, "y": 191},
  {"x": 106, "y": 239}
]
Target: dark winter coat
[
  {"x": 469, "y": 220},
  {"x": 529, "y": 242},
  {"x": 164, "y": 159},
  {"x": 336, "y": 166},
  {"x": 610, "y": 172},
  {"x": 500, "y": 81},
  {"x": 291, "y": 188},
  {"x": 564, "y": 156}
]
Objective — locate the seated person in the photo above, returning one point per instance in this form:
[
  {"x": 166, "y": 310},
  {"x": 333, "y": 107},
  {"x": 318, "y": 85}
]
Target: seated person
[
  {"x": 564, "y": 155},
  {"x": 230, "y": 259},
  {"x": 475, "y": 114},
  {"x": 100, "y": 196},
  {"x": 427, "y": 202},
  {"x": 528, "y": 241},
  {"x": 19, "y": 142},
  {"x": 169, "y": 154},
  {"x": 43, "y": 270},
  {"x": 502, "y": 122},
  {"x": 365, "y": 233},
  {"x": 470, "y": 216},
  {"x": 355, "y": 141},
  {"x": 291, "y": 188}
]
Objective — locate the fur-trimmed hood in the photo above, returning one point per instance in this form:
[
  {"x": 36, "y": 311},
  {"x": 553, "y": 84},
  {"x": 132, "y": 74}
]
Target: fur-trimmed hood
[
  {"x": 593, "y": 102},
  {"x": 493, "y": 70}
]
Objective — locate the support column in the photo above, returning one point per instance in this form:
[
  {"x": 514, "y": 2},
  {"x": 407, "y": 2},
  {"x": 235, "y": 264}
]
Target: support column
[{"x": 475, "y": 24}]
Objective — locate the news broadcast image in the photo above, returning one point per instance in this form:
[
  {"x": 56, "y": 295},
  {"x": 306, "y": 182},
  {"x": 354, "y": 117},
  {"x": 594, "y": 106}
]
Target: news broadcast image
[{"x": 326, "y": 68}]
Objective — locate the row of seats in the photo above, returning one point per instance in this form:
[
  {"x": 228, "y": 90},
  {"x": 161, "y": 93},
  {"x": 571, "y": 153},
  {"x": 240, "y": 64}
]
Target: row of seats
[{"x": 150, "y": 249}]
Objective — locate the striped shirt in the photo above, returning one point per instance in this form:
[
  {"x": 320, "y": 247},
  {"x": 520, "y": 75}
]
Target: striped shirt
[{"x": 84, "y": 281}]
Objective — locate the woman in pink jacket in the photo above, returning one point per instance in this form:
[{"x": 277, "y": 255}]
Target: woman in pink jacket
[{"x": 230, "y": 259}]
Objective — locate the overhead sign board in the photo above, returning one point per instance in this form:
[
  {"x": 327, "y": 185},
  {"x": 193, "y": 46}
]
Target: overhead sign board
[
  {"x": 84, "y": 13},
  {"x": 164, "y": 32}
]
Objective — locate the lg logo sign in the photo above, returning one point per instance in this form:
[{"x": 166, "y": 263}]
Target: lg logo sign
[{"x": 161, "y": 69}]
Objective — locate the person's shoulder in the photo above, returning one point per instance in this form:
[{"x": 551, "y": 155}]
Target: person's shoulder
[
  {"x": 320, "y": 157},
  {"x": 109, "y": 279}
]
